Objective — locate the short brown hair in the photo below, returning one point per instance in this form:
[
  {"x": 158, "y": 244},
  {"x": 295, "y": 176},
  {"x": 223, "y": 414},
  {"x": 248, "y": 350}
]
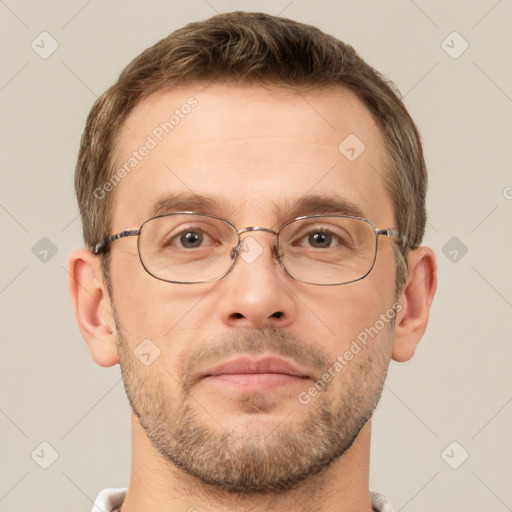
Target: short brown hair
[{"x": 255, "y": 48}]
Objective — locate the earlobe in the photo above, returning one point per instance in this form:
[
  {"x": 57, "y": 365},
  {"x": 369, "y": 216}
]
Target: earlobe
[
  {"x": 92, "y": 307},
  {"x": 417, "y": 295}
]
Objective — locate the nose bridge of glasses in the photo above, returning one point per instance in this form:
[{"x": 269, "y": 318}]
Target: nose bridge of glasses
[{"x": 253, "y": 229}]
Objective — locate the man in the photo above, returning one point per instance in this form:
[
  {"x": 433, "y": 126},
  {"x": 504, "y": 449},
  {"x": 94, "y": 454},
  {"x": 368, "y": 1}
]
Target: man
[{"x": 253, "y": 201}]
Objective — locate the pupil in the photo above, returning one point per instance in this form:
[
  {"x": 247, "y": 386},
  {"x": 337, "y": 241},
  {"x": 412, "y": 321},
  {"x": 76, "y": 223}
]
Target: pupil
[
  {"x": 320, "y": 239},
  {"x": 191, "y": 239}
]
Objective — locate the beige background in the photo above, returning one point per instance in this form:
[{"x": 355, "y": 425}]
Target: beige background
[{"x": 459, "y": 385}]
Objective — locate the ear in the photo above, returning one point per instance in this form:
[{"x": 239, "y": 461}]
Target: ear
[
  {"x": 415, "y": 300},
  {"x": 92, "y": 306}
]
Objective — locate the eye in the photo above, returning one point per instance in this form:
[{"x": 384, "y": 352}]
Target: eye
[
  {"x": 190, "y": 239},
  {"x": 184, "y": 235},
  {"x": 310, "y": 235},
  {"x": 320, "y": 239}
]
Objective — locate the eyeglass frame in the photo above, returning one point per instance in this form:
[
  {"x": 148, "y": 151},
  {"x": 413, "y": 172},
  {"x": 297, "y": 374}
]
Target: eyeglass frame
[{"x": 392, "y": 233}]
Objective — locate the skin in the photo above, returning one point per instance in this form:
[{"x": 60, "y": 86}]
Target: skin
[{"x": 259, "y": 150}]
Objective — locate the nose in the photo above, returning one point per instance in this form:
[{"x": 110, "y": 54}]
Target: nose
[{"x": 257, "y": 292}]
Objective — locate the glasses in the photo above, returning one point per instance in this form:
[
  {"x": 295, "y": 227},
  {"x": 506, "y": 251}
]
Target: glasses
[{"x": 189, "y": 247}]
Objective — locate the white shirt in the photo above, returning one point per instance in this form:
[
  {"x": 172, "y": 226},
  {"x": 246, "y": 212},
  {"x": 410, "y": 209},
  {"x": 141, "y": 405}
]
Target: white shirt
[{"x": 109, "y": 500}]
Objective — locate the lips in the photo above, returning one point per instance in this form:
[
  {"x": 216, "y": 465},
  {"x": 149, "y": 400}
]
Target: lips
[{"x": 266, "y": 365}]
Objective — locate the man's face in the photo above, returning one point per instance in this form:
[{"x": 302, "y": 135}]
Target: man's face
[{"x": 256, "y": 153}]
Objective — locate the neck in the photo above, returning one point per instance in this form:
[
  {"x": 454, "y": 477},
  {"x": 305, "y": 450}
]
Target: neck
[{"x": 158, "y": 485}]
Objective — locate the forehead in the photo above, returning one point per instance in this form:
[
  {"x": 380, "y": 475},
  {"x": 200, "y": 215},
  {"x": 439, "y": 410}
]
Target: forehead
[{"x": 254, "y": 151}]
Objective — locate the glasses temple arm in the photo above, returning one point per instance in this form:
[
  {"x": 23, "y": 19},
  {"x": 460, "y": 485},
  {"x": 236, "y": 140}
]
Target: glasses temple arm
[
  {"x": 100, "y": 247},
  {"x": 393, "y": 233}
]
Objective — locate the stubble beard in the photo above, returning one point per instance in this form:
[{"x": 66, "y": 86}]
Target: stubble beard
[{"x": 247, "y": 461}]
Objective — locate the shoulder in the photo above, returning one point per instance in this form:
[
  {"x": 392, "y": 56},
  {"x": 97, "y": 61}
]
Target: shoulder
[
  {"x": 109, "y": 499},
  {"x": 380, "y": 503}
]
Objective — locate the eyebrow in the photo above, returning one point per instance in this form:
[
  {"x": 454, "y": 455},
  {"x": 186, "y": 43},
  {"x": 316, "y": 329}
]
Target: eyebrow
[
  {"x": 199, "y": 203},
  {"x": 214, "y": 205},
  {"x": 318, "y": 205}
]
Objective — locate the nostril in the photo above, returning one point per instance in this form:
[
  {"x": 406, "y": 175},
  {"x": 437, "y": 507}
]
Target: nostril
[{"x": 277, "y": 314}]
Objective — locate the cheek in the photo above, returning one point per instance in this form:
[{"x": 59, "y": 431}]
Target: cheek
[
  {"x": 138, "y": 297},
  {"x": 151, "y": 308},
  {"x": 348, "y": 310}
]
